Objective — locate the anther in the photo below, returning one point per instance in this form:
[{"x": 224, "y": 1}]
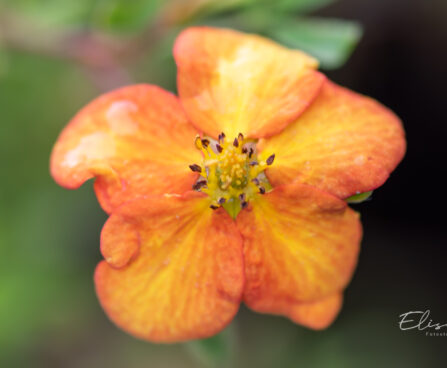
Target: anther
[
  {"x": 205, "y": 143},
  {"x": 198, "y": 142},
  {"x": 232, "y": 175},
  {"x": 195, "y": 168},
  {"x": 199, "y": 184}
]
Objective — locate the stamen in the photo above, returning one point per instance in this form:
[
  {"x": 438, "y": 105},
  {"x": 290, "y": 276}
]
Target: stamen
[
  {"x": 195, "y": 168},
  {"x": 198, "y": 142},
  {"x": 232, "y": 173},
  {"x": 199, "y": 184},
  {"x": 205, "y": 142}
]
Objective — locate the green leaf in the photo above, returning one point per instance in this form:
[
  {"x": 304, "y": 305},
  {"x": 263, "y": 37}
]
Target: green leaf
[
  {"x": 3, "y": 61},
  {"x": 51, "y": 13},
  {"x": 216, "y": 351},
  {"x": 125, "y": 16},
  {"x": 331, "y": 41},
  {"x": 301, "y": 6},
  {"x": 358, "y": 198},
  {"x": 211, "y": 8}
]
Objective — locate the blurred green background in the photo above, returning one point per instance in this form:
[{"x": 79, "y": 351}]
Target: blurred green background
[{"x": 56, "y": 55}]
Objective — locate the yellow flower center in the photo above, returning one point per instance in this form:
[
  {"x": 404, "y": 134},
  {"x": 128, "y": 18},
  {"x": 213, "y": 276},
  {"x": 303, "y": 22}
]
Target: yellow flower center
[{"x": 232, "y": 172}]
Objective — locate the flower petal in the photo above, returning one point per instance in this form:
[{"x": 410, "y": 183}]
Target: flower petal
[
  {"x": 319, "y": 314},
  {"x": 233, "y": 82},
  {"x": 345, "y": 143},
  {"x": 185, "y": 277},
  {"x": 136, "y": 140},
  {"x": 300, "y": 245}
]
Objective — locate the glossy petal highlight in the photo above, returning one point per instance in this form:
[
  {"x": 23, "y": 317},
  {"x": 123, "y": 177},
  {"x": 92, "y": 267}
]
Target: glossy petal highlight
[
  {"x": 234, "y": 82},
  {"x": 184, "y": 277},
  {"x": 300, "y": 245},
  {"x": 345, "y": 143},
  {"x": 136, "y": 140}
]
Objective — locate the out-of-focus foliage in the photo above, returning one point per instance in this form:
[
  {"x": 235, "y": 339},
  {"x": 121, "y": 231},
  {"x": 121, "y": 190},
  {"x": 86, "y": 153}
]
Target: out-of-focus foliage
[
  {"x": 3, "y": 60},
  {"x": 66, "y": 13},
  {"x": 216, "y": 351},
  {"x": 124, "y": 15},
  {"x": 303, "y": 6},
  {"x": 331, "y": 41},
  {"x": 40, "y": 282}
]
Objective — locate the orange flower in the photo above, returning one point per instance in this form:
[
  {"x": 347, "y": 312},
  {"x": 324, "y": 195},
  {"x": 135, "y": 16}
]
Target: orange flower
[{"x": 279, "y": 235}]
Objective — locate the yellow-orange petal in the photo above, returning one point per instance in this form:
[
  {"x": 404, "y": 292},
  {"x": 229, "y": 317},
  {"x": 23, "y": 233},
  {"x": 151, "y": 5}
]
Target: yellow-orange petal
[
  {"x": 318, "y": 314},
  {"x": 239, "y": 83},
  {"x": 184, "y": 279},
  {"x": 345, "y": 143},
  {"x": 300, "y": 245},
  {"x": 135, "y": 140}
]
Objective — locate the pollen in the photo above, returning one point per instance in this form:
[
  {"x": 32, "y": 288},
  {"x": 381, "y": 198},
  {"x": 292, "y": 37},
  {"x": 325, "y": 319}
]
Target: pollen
[{"x": 232, "y": 171}]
